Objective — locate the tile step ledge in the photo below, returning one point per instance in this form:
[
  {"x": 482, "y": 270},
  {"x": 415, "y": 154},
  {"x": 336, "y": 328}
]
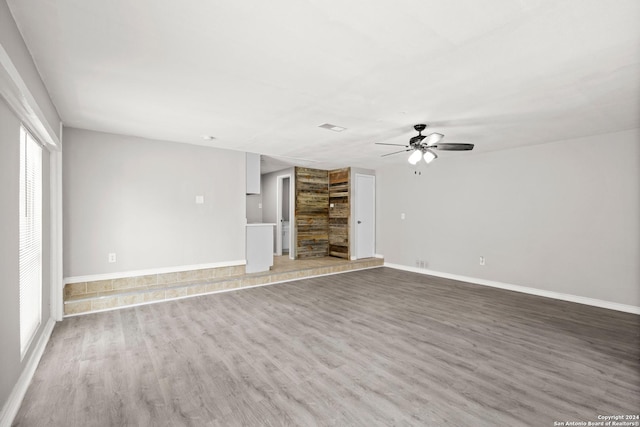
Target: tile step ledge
[{"x": 82, "y": 304}]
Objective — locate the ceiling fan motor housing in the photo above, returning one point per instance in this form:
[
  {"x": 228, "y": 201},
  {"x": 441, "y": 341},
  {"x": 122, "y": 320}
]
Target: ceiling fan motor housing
[
  {"x": 420, "y": 127},
  {"x": 415, "y": 141}
]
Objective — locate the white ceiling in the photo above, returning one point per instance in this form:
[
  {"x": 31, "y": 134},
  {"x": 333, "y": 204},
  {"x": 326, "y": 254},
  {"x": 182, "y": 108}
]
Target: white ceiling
[{"x": 261, "y": 76}]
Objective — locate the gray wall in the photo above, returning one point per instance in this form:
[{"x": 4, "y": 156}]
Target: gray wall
[
  {"x": 10, "y": 365},
  {"x": 561, "y": 217},
  {"x": 254, "y": 211},
  {"x": 136, "y": 197},
  {"x": 12, "y": 42}
]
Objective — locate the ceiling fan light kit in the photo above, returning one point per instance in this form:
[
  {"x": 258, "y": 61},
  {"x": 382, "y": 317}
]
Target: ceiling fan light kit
[
  {"x": 415, "y": 157},
  {"x": 430, "y": 156},
  {"x": 423, "y": 146}
]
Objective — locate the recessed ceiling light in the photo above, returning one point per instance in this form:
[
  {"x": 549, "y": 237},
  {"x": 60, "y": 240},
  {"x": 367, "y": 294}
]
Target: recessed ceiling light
[
  {"x": 208, "y": 137},
  {"x": 332, "y": 127}
]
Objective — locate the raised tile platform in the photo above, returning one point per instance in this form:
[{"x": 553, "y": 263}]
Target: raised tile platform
[{"x": 87, "y": 297}]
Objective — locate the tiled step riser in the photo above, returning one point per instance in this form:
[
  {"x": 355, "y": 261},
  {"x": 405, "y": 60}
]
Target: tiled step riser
[
  {"x": 145, "y": 296},
  {"x": 105, "y": 287},
  {"x": 154, "y": 295}
]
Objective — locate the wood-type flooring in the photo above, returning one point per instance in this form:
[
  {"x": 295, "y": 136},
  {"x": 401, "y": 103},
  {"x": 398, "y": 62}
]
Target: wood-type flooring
[{"x": 377, "y": 347}]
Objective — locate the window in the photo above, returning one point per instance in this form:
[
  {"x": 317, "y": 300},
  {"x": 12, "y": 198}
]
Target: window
[{"x": 30, "y": 238}]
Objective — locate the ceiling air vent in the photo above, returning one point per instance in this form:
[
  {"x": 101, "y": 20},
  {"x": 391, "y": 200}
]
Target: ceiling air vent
[{"x": 332, "y": 127}]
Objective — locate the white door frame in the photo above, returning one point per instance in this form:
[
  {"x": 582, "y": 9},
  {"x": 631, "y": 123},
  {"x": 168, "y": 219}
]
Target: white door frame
[
  {"x": 57, "y": 281},
  {"x": 373, "y": 213},
  {"x": 280, "y": 179}
]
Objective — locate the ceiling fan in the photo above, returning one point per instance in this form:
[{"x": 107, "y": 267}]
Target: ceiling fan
[{"x": 423, "y": 146}]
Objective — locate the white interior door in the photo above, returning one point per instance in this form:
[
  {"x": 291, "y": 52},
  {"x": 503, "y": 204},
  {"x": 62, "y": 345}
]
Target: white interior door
[{"x": 365, "y": 216}]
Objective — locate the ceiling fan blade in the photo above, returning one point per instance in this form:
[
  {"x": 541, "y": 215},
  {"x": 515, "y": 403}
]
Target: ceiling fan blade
[
  {"x": 452, "y": 147},
  {"x": 432, "y": 138},
  {"x": 396, "y": 152},
  {"x": 386, "y": 143}
]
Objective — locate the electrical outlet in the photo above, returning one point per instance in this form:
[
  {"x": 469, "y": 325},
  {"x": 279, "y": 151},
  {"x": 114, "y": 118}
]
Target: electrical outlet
[
  {"x": 482, "y": 260},
  {"x": 402, "y": 216},
  {"x": 112, "y": 257}
]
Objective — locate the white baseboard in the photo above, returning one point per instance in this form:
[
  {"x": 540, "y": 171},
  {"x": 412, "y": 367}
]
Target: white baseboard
[
  {"x": 162, "y": 270},
  {"x": 353, "y": 258},
  {"x": 524, "y": 289},
  {"x": 11, "y": 407}
]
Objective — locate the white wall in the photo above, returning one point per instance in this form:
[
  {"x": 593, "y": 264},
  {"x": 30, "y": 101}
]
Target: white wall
[
  {"x": 561, "y": 217},
  {"x": 136, "y": 197}
]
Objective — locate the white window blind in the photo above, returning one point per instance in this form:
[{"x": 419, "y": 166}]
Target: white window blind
[{"x": 30, "y": 238}]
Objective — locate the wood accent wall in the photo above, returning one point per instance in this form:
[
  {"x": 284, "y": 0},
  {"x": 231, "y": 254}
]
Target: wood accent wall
[
  {"x": 312, "y": 212},
  {"x": 339, "y": 214}
]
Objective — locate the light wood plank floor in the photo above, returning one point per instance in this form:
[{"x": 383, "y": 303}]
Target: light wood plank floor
[{"x": 368, "y": 348}]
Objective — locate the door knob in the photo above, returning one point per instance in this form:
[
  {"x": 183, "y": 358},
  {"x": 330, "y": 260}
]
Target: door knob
[{"x": 359, "y": 222}]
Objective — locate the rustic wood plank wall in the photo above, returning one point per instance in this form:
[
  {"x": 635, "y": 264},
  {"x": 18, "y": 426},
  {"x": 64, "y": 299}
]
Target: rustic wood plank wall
[
  {"x": 312, "y": 212},
  {"x": 339, "y": 212}
]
